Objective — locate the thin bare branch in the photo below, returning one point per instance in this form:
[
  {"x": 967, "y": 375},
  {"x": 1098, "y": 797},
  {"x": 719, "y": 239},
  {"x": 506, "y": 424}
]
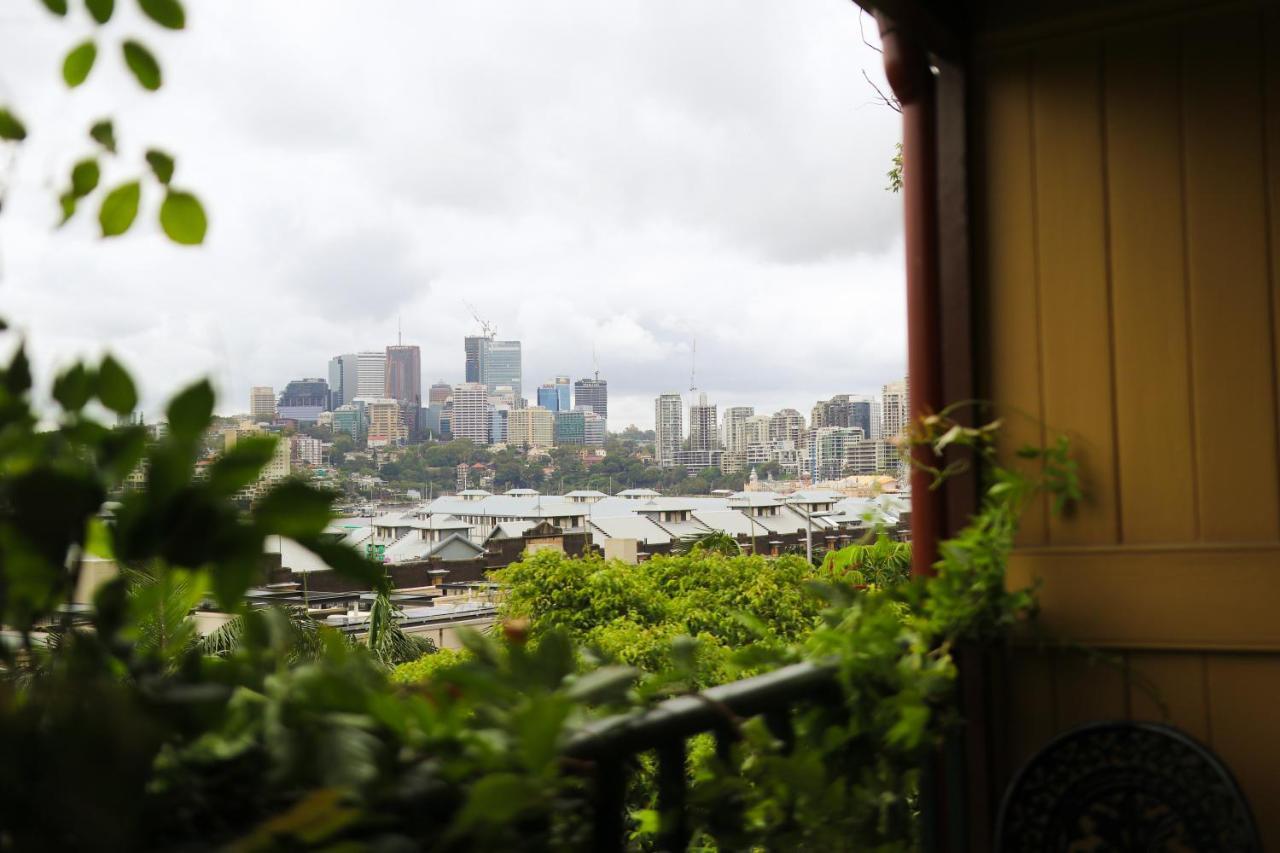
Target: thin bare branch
[
  {"x": 863, "y": 33},
  {"x": 885, "y": 100}
]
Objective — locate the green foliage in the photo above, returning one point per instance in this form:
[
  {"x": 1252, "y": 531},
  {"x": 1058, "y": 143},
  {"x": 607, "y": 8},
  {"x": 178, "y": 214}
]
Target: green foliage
[
  {"x": 182, "y": 217},
  {"x": 119, "y": 209},
  {"x": 104, "y": 133},
  {"x": 895, "y": 173},
  {"x": 79, "y": 62},
  {"x": 100, "y": 10},
  {"x": 11, "y": 127},
  {"x": 161, "y": 165},
  {"x": 883, "y": 563},
  {"x": 143, "y": 64},
  {"x": 166, "y": 13}
]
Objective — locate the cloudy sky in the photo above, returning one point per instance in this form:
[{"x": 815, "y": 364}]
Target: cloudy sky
[{"x": 623, "y": 176}]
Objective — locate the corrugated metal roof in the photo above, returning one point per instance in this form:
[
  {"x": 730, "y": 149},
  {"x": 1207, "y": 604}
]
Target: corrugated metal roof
[{"x": 632, "y": 527}]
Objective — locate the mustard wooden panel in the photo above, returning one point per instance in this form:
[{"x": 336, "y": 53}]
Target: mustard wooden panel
[
  {"x": 1231, "y": 312},
  {"x": 1089, "y": 688},
  {"x": 1170, "y": 688},
  {"x": 1008, "y": 258},
  {"x": 1072, "y": 269},
  {"x": 1242, "y": 720},
  {"x": 1031, "y": 705},
  {"x": 1148, "y": 284}
]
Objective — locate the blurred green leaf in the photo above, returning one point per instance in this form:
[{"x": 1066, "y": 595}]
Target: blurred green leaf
[
  {"x": 161, "y": 164},
  {"x": 166, "y": 13},
  {"x": 11, "y": 128},
  {"x": 496, "y": 799},
  {"x": 115, "y": 387},
  {"x": 143, "y": 65},
  {"x": 241, "y": 465},
  {"x": 84, "y": 178},
  {"x": 182, "y": 218},
  {"x": 78, "y": 63},
  {"x": 57, "y": 7},
  {"x": 294, "y": 509},
  {"x": 119, "y": 209},
  {"x": 17, "y": 378},
  {"x": 100, "y": 9},
  {"x": 606, "y": 684},
  {"x": 104, "y": 133},
  {"x": 189, "y": 412},
  {"x": 73, "y": 387}
]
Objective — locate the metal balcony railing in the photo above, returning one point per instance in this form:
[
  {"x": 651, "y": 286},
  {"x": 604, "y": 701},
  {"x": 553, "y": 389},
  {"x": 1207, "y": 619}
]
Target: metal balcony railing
[{"x": 611, "y": 744}]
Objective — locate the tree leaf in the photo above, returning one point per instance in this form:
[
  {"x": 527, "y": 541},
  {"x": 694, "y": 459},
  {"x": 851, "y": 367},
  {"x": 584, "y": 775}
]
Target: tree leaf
[
  {"x": 73, "y": 387},
  {"x": 143, "y": 65},
  {"x": 11, "y": 128},
  {"x": 67, "y": 201},
  {"x": 182, "y": 218},
  {"x": 84, "y": 178},
  {"x": 100, "y": 9},
  {"x": 104, "y": 133},
  {"x": 241, "y": 465},
  {"x": 190, "y": 411},
  {"x": 609, "y": 683},
  {"x": 79, "y": 62},
  {"x": 295, "y": 510},
  {"x": 166, "y": 13},
  {"x": 18, "y": 377},
  {"x": 119, "y": 209},
  {"x": 162, "y": 164},
  {"x": 115, "y": 387},
  {"x": 57, "y": 7}
]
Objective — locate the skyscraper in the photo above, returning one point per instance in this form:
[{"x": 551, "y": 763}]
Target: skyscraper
[
  {"x": 703, "y": 425},
  {"x": 470, "y": 417},
  {"x": 371, "y": 376},
  {"x": 594, "y": 393},
  {"x": 404, "y": 384},
  {"x": 262, "y": 403},
  {"x": 344, "y": 377},
  {"x": 895, "y": 409},
  {"x": 554, "y": 396},
  {"x": 503, "y": 366},
  {"x": 668, "y": 428},
  {"x": 786, "y": 425},
  {"x": 474, "y": 346},
  {"x": 303, "y": 400},
  {"x": 735, "y": 417},
  {"x": 440, "y": 392}
]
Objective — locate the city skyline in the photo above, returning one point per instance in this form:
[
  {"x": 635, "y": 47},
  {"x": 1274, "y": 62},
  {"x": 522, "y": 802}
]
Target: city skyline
[{"x": 636, "y": 204}]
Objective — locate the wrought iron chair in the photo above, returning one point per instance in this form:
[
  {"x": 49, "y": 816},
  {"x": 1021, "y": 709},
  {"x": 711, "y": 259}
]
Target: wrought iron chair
[{"x": 1122, "y": 786}]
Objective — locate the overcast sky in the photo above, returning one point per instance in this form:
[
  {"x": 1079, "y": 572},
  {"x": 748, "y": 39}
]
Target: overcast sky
[{"x": 623, "y": 175}]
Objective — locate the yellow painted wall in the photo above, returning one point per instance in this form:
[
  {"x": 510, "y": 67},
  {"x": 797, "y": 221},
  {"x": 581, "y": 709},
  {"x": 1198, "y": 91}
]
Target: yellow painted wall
[{"x": 1127, "y": 204}]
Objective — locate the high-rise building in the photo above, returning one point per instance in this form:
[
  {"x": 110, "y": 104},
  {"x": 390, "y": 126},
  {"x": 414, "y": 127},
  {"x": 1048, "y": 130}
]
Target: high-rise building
[
  {"x": 571, "y": 427},
  {"x": 502, "y": 366},
  {"x": 349, "y": 418},
  {"x": 344, "y": 379},
  {"x": 703, "y": 425},
  {"x": 371, "y": 376},
  {"x": 895, "y": 409},
  {"x": 735, "y": 418},
  {"x": 835, "y": 451},
  {"x": 668, "y": 428},
  {"x": 470, "y": 417},
  {"x": 440, "y": 392},
  {"x": 594, "y": 393},
  {"x": 262, "y": 403},
  {"x": 786, "y": 425},
  {"x": 475, "y": 348},
  {"x": 555, "y": 396},
  {"x": 404, "y": 383},
  {"x": 303, "y": 400},
  {"x": 532, "y": 427},
  {"x": 306, "y": 450},
  {"x": 593, "y": 428},
  {"x": 386, "y": 424}
]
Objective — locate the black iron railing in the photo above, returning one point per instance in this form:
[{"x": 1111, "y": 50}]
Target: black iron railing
[{"x": 610, "y": 745}]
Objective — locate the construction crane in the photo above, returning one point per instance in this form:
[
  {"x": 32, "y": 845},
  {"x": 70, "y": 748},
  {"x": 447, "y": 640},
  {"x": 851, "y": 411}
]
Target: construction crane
[{"x": 485, "y": 325}]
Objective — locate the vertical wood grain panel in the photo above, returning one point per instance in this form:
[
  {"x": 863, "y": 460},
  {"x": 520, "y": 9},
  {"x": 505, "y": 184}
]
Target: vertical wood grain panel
[
  {"x": 1232, "y": 349},
  {"x": 1169, "y": 688},
  {"x": 1153, "y": 395},
  {"x": 1242, "y": 692},
  {"x": 1271, "y": 127},
  {"x": 1072, "y": 266},
  {"x": 1089, "y": 689},
  {"x": 1008, "y": 256}
]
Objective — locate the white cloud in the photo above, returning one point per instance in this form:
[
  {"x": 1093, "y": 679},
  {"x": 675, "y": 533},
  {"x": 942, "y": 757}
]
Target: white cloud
[{"x": 624, "y": 176}]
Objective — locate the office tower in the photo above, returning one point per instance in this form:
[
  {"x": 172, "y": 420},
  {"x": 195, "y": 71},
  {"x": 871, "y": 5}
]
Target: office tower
[
  {"x": 475, "y": 348},
  {"x": 735, "y": 418},
  {"x": 344, "y": 379},
  {"x": 349, "y": 418},
  {"x": 835, "y": 451},
  {"x": 703, "y": 425},
  {"x": 502, "y": 365},
  {"x": 386, "y": 423},
  {"x": 532, "y": 427},
  {"x": 499, "y": 418},
  {"x": 895, "y": 409},
  {"x": 303, "y": 400},
  {"x": 555, "y": 396},
  {"x": 470, "y": 417},
  {"x": 440, "y": 392},
  {"x": 593, "y": 393},
  {"x": 593, "y": 428},
  {"x": 404, "y": 383},
  {"x": 571, "y": 427},
  {"x": 262, "y": 403},
  {"x": 786, "y": 425},
  {"x": 371, "y": 376},
  {"x": 860, "y": 414},
  {"x": 668, "y": 428}
]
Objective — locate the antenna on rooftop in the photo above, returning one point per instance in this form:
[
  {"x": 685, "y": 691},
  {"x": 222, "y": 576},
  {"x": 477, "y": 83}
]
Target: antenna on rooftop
[
  {"x": 399, "y": 332},
  {"x": 693, "y": 367},
  {"x": 595, "y": 361}
]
